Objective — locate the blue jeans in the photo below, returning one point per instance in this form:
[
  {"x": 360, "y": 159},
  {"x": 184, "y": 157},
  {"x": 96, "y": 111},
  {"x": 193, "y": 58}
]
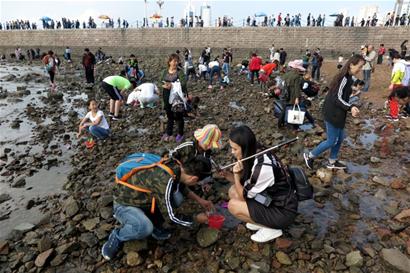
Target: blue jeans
[
  {"x": 98, "y": 131},
  {"x": 225, "y": 68},
  {"x": 135, "y": 225},
  {"x": 366, "y": 78},
  {"x": 333, "y": 142},
  {"x": 215, "y": 70}
]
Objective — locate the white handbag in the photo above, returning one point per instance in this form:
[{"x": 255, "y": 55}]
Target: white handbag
[{"x": 295, "y": 116}]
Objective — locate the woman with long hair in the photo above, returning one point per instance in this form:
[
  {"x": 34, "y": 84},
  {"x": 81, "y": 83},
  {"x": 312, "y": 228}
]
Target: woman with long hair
[
  {"x": 261, "y": 194},
  {"x": 335, "y": 113},
  {"x": 170, "y": 75}
]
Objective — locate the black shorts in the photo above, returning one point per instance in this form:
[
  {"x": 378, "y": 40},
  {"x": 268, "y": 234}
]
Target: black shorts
[
  {"x": 112, "y": 91},
  {"x": 272, "y": 216}
]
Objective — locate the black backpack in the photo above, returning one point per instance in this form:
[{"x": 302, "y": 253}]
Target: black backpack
[{"x": 300, "y": 182}]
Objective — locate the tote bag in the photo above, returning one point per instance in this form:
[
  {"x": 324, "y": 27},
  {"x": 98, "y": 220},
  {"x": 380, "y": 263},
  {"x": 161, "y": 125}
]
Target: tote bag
[{"x": 295, "y": 116}]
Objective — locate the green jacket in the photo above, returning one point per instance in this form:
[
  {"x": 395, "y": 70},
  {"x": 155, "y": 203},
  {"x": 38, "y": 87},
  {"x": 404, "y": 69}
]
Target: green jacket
[
  {"x": 166, "y": 92},
  {"x": 162, "y": 187},
  {"x": 293, "y": 85}
]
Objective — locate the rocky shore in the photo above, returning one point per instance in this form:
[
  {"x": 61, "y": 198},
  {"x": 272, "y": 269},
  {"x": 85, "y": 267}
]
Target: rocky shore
[{"x": 348, "y": 227}]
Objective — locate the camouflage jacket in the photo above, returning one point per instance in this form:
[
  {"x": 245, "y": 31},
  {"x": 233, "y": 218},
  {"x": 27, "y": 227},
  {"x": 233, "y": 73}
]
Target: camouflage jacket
[
  {"x": 186, "y": 151},
  {"x": 162, "y": 187}
]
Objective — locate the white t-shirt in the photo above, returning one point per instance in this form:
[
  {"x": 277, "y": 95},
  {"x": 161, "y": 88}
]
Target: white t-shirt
[
  {"x": 276, "y": 56},
  {"x": 103, "y": 122},
  {"x": 144, "y": 93},
  {"x": 202, "y": 68},
  {"x": 265, "y": 179},
  {"x": 213, "y": 63}
]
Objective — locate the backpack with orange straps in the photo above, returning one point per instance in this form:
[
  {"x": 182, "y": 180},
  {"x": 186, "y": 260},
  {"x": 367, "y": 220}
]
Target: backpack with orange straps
[{"x": 134, "y": 163}]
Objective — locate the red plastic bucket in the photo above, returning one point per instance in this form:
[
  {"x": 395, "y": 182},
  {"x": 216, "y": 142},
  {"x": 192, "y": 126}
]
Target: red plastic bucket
[
  {"x": 89, "y": 144},
  {"x": 215, "y": 221}
]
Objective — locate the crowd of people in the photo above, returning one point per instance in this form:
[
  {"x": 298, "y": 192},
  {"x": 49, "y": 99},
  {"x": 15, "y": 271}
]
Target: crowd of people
[
  {"x": 267, "y": 201},
  {"x": 280, "y": 20}
]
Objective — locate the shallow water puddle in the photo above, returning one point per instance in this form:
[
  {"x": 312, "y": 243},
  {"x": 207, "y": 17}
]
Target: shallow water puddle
[
  {"x": 322, "y": 217},
  {"x": 42, "y": 184}
]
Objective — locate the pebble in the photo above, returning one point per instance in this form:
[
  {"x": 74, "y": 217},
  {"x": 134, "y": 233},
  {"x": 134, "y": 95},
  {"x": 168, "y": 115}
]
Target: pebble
[
  {"x": 134, "y": 259},
  {"x": 24, "y": 227},
  {"x": 43, "y": 257},
  {"x": 381, "y": 180},
  {"x": 207, "y": 236},
  {"x": 354, "y": 259},
  {"x": 396, "y": 259},
  {"x": 283, "y": 258}
]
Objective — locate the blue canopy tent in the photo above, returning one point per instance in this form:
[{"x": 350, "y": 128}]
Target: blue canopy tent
[
  {"x": 260, "y": 14},
  {"x": 45, "y": 18}
]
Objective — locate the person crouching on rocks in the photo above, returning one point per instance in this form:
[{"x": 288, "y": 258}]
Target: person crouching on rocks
[
  {"x": 97, "y": 125},
  {"x": 261, "y": 194},
  {"x": 205, "y": 141},
  {"x": 140, "y": 216},
  {"x": 144, "y": 95},
  {"x": 115, "y": 86}
]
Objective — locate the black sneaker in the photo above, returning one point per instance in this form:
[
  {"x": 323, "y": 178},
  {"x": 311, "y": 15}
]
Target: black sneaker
[
  {"x": 111, "y": 247},
  {"x": 111, "y": 115},
  {"x": 160, "y": 234},
  {"x": 308, "y": 161},
  {"x": 336, "y": 165},
  {"x": 116, "y": 118}
]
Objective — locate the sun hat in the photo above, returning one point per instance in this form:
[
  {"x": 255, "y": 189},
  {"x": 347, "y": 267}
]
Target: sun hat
[
  {"x": 209, "y": 137},
  {"x": 297, "y": 64}
]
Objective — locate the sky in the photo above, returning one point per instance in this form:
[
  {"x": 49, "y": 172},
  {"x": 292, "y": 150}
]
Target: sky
[{"x": 133, "y": 10}]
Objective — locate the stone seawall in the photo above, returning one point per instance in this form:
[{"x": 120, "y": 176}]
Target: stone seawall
[{"x": 332, "y": 41}]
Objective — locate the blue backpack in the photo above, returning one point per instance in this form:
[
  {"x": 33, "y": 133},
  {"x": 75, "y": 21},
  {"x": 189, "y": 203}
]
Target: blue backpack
[{"x": 135, "y": 163}]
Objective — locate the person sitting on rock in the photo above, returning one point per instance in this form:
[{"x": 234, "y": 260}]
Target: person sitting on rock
[
  {"x": 309, "y": 88},
  {"x": 144, "y": 95},
  {"x": 97, "y": 125},
  {"x": 141, "y": 217},
  {"x": 398, "y": 98},
  {"x": 357, "y": 88},
  {"x": 261, "y": 194}
]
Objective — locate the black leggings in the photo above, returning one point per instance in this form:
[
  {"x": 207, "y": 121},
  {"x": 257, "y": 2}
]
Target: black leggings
[
  {"x": 52, "y": 74},
  {"x": 179, "y": 118}
]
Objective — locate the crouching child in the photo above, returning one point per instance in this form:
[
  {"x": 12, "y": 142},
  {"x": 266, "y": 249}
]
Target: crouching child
[{"x": 147, "y": 191}]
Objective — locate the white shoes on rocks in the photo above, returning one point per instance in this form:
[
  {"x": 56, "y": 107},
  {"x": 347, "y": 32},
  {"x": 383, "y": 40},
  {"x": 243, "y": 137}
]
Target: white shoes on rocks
[
  {"x": 251, "y": 226},
  {"x": 263, "y": 234}
]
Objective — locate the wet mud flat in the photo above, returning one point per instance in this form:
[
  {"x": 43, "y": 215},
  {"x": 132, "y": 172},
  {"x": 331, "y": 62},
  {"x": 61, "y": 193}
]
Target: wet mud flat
[{"x": 348, "y": 227}]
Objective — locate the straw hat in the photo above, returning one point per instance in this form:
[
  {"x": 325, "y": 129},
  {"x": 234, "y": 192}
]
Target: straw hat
[{"x": 209, "y": 137}]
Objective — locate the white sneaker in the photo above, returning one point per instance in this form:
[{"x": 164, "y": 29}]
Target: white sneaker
[
  {"x": 266, "y": 234},
  {"x": 251, "y": 226}
]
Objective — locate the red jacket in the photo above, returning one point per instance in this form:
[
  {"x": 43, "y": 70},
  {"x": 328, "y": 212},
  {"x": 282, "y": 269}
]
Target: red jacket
[
  {"x": 268, "y": 68},
  {"x": 255, "y": 63}
]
